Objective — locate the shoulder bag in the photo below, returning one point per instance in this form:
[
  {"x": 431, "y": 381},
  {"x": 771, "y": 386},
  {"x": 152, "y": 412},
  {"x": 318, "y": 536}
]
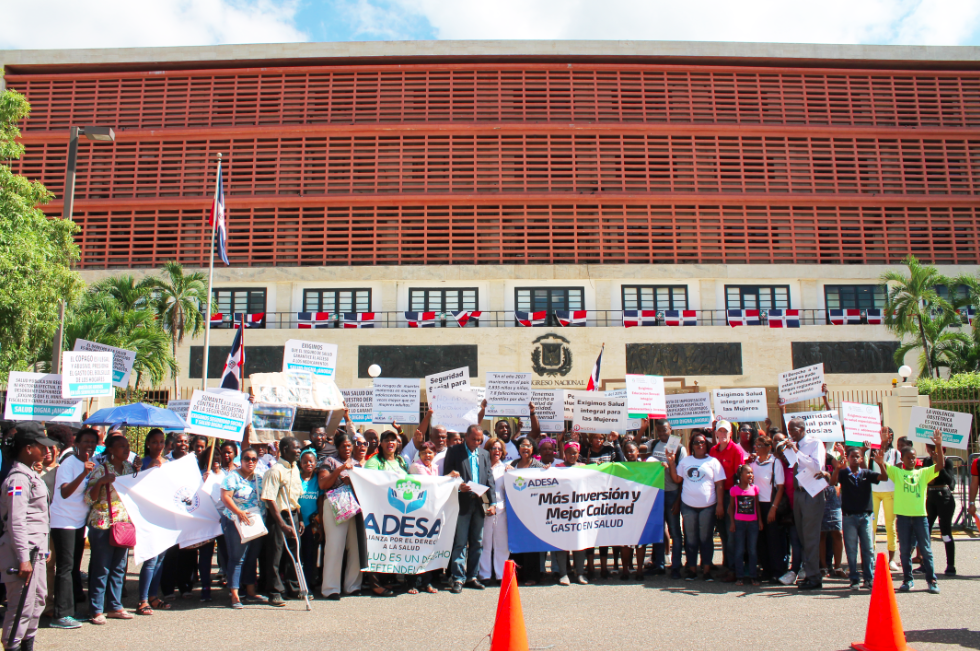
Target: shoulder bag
[
  {"x": 784, "y": 514},
  {"x": 121, "y": 534}
]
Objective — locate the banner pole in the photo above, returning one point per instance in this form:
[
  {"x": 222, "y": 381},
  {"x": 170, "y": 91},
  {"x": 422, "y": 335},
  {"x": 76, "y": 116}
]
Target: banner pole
[{"x": 207, "y": 330}]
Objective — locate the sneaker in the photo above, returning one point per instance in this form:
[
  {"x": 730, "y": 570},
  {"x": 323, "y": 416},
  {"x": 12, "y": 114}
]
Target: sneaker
[
  {"x": 582, "y": 580},
  {"x": 66, "y": 623},
  {"x": 855, "y": 585},
  {"x": 789, "y": 578},
  {"x": 564, "y": 581},
  {"x": 933, "y": 588},
  {"x": 457, "y": 587},
  {"x": 906, "y": 587},
  {"x": 866, "y": 585},
  {"x": 237, "y": 605},
  {"x": 894, "y": 567},
  {"x": 690, "y": 576}
]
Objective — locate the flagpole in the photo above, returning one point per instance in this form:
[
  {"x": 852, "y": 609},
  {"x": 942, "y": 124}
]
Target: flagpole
[{"x": 207, "y": 331}]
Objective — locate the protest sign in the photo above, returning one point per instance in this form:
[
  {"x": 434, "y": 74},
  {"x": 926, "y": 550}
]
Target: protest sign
[
  {"x": 454, "y": 409},
  {"x": 396, "y": 399},
  {"x": 458, "y": 378},
  {"x": 569, "y": 399},
  {"x": 122, "y": 360},
  {"x": 740, "y": 404},
  {"x": 645, "y": 396},
  {"x": 549, "y": 407},
  {"x": 954, "y": 426},
  {"x": 508, "y": 394},
  {"x": 410, "y": 522},
  {"x": 360, "y": 404},
  {"x": 597, "y": 412},
  {"x": 219, "y": 415},
  {"x": 687, "y": 410},
  {"x": 862, "y": 423},
  {"x": 584, "y": 506},
  {"x": 275, "y": 418},
  {"x": 801, "y": 384},
  {"x": 824, "y": 425},
  {"x": 179, "y": 407},
  {"x": 632, "y": 423},
  {"x": 86, "y": 375},
  {"x": 37, "y": 396},
  {"x": 313, "y": 356}
]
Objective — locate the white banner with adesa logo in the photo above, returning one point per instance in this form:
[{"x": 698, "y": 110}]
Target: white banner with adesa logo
[
  {"x": 567, "y": 509},
  {"x": 410, "y": 522}
]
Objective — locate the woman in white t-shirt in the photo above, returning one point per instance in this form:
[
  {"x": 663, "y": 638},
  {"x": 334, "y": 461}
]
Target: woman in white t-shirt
[
  {"x": 702, "y": 480},
  {"x": 883, "y": 494}
]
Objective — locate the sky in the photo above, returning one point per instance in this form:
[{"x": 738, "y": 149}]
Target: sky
[{"x": 44, "y": 24}]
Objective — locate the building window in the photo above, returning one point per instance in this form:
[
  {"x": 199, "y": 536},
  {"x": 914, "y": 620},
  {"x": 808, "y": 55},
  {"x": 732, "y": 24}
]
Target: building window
[
  {"x": 960, "y": 294},
  {"x": 336, "y": 301},
  {"x": 229, "y": 302},
  {"x": 854, "y": 296},
  {"x": 549, "y": 299},
  {"x": 443, "y": 301},
  {"x": 757, "y": 297},
  {"x": 654, "y": 297}
]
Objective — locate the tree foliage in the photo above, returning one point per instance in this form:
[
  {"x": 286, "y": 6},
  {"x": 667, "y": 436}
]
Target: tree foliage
[{"x": 177, "y": 299}]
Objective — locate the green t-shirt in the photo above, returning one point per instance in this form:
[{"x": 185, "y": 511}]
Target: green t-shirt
[{"x": 911, "y": 489}]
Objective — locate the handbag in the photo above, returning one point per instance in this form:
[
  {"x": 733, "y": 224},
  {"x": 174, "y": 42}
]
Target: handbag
[
  {"x": 121, "y": 534},
  {"x": 343, "y": 503},
  {"x": 784, "y": 515}
]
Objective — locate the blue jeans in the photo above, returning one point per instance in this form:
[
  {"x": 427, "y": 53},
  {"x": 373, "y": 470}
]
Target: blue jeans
[
  {"x": 745, "y": 539},
  {"x": 241, "y": 556},
  {"x": 912, "y": 530},
  {"x": 106, "y": 573},
  {"x": 469, "y": 534},
  {"x": 699, "y": 525},
  {"x": 150, "y": 575},
  {"x": 857, "y": 531},
  {"x": 674, "y": 528}
]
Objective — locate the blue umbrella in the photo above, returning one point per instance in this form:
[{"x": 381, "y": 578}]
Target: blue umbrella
[{"x": 137, "y": 415}]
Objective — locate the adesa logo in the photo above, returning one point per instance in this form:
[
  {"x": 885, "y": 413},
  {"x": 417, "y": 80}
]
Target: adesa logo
[{"x": 520, "y": 483}]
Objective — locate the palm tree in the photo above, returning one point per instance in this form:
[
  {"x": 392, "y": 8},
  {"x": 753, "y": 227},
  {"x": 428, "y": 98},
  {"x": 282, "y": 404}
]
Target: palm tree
[
  {"x": 127, "y": 293},
  {"x": 178, "y": 299},
  {"x": 941, "y": 347},
  {"x": 910, "y": 300}
]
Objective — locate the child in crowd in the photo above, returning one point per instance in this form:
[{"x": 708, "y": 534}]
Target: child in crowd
[{"x": 744, "y": 524}]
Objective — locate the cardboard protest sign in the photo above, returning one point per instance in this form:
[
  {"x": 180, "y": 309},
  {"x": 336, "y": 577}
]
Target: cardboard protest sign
[
  {"x": 396, "y": 399},
  {"x": 219, "y": 415},
  {"x": 508, "y": 394},
  {"x": 862, "y": 423},
  {"x": 801, "y": 384},
  {"x": 824, "y": 425},
  {"x": 86, "y": 375},
  {"x": 740, "y": 404},
  {"x": 37, "y": 396},
  {"x": 633, "y": 421},
  {"x": 549, "y": 407},
  {"x": 314, "y": 357},
  {"x": 458, "y": 378},
  {"x": 455, "y": 409},
  {"x": 597, "y": 412},
  {"x": 688, "y": 410},
  {"x": 360, "y": 404},
  {"x": 645, "y": 396},
  {"x": 122, "y": 360},
  {"x": 955, "y": 426}
]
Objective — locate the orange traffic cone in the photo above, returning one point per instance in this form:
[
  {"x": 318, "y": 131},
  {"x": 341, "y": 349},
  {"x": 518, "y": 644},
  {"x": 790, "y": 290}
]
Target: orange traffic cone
[
  {"x": 509, "y": 633},
  {"x": 884, "y": 632}
]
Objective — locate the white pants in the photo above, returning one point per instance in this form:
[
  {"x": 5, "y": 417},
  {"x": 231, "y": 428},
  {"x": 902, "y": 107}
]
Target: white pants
[
  {"x": 494, "y": 544},
  {"x": 337, "y": 538}
]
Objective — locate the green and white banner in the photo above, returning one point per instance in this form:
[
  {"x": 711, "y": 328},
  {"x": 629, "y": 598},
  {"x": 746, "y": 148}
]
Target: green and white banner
[
  {"x": 567, "y": 509},
  {"x": 410, "y": 522}
]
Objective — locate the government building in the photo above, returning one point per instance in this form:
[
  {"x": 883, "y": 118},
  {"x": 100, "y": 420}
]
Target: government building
[{"x": 676, "y": 188}]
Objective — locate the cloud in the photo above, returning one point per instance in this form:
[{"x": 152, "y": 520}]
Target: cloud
[{"x": 44, "y": 24}]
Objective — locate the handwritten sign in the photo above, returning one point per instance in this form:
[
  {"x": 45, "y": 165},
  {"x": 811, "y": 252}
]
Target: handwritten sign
[
  {"x": 645, "y": 395},
  {"x": 86, "y": 375},
  {"x": 740, "y": 404},
  {"x": 508, "y": 394},
  {"x": 219, "y": 415},
  {"x": 687, "y": 410},
  {"x": 360, "y": 404},
  {"x": 458, "y": 378},
  {"x": 862, "y": 423},
  {"x": 37, "y": 396},
  {"x": 824, "y": 425},
  {"x": 596, "y": 412},
  {"x": 315, "y": 357},
  {"x": 954, "y": 426},
  {"x": 396, "y": 399},
  {"x": 549, "y": 407},
  {"x": 801, "y": 384},
  {"x": 455, "y": 409},
  {"x": 122, "y": 360}
]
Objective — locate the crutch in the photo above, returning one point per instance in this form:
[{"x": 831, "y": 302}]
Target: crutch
[{"x": 300, "y": 576}]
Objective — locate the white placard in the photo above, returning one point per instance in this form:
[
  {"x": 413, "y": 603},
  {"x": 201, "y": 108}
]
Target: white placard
[
  {"x": 458, "y": 378},
  {"x": 954, "y": 426},
  {"x": 360, "y": 404},
  {"x": 549, "y": 407},
  {"x": 219, "y": 415},
  {"x": 645, "y": 395},
  {"x": 508, "y": 394},
  {"x": 631, "y": 423},
  {"x": 824, "y": 425},
  {"x": 179, "y": 407},
  {"x": 455, "y": 409},
  {"x": 596, "y": 412},
  {"x": 314, "y": 356},
  {"x": 569, "y": 399},
  {"x": 37, "y": 396},
  {"x": 801, "y": 384},
  {"x": 740, "y": 405},
  {"x": 396, "y": 399},
  {"x": 862, "y": 423},
  {"x": 86, "y": 375},
  {"x": 122, "y": 360},
  {"x": 688, "y": 410},
  {"x": 673, "y": 442}
]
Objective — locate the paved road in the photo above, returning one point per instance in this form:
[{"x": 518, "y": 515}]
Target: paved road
[{"x": 657, "y": 614}]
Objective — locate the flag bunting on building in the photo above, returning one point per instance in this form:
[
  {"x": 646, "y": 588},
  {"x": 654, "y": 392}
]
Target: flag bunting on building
[
  {"x": 359, "y": 319},
  {"x": 784, "y": 318},
  {"x": 315, "y": 320},
  {"x": 743, "y": 317},
  {"x": 465, "y": 316},
  {"x": 421, "y": 319},
  {"x": 217, "y": 320},
  {"x": 530, "y": 319},
  {"x": 680, "y": 317},
  {"x": 571, "y": 318},
  {"x": 633, "y": 318},
  {"x": 875, "y": 316},
  {"x": 845, "y": 317},
  {"x": 256, "y": 320}
]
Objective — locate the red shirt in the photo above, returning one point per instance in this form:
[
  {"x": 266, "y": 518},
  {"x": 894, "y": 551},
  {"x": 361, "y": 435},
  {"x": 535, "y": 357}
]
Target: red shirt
[{"x": 730, "y": 459}]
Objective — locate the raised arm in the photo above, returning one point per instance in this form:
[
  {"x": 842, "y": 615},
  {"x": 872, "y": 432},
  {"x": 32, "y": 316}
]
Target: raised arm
[
  {"x": 535, "y": 425},
  {"x": 826, "y": 402},
  {"x": 423, "y": 429},
  {"x": 483, "y": 411}
]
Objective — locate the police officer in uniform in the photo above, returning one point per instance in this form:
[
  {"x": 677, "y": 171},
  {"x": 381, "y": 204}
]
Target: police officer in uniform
[{"x": 24, "y": 543}]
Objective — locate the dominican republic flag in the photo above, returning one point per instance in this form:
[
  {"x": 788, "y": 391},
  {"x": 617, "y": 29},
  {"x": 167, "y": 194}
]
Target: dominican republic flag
[
  {"x": 465, "y": 316},
  {"x": 15, "y": 490},
  {"x": 743, "y": 317},
  {"x": 571, "y": 318},
  {"x": 594, "y": 378},
  {"x": 530, "y": 319},
  {"x": 307, "y": 320},
  {"x": 680, "y": 317},
  {"x": 218, "y": 218},
  {"x": 421, "y": 319},
  {"x": 845, "y": 317},
  {"x": 633, "y": 318},
  {"x": 875, "y": 316},
  {"x": 256, "y": 320},
  {"x": 784, "y": 318},
  {"x": 358, "y": 319},
  {"x": 231, "y": 377},
  {"x": 217, "y": 320}
]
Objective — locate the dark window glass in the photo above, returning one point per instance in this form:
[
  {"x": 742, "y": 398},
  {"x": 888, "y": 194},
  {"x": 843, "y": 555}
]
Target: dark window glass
[
  {"x": 655, "y": 297},
  {"x": 336, "y": 301},
  {"x": 757, "y": 297},
  {"x": 854, "y": 296},
  {"x": 237, "y": 301},
  {"x": 443, "y": 301},
  {"x": 549, "y": 299}
]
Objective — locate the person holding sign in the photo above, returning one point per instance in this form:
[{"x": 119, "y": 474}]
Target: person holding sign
[
  {"x": 941, "y": 504},
  {"x": 809, "y": 500},
  {"x": 240, "y": 503}
]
